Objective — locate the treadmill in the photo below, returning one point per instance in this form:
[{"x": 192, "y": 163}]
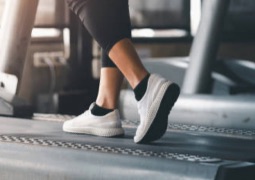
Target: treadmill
[{"x": 37, "y": 148}]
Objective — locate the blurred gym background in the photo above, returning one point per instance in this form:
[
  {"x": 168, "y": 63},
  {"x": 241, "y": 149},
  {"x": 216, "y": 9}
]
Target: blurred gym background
[{"x": 62, "y": 65}]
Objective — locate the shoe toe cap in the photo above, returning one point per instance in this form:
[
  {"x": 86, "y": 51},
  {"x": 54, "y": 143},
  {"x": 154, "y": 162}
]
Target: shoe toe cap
[
  {"x": 138, "y": 134},
  {"x": 136, "y": 139},
  {"x": 67, "y": 124}
]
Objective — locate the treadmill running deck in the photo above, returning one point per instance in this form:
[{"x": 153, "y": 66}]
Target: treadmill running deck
[{"x": 39, "y": 148}]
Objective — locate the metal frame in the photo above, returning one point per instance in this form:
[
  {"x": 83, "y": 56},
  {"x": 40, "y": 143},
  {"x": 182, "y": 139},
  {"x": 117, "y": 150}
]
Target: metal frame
[
  {"x": 205, "y": 47},
  {"x": 17, "y": 25}
]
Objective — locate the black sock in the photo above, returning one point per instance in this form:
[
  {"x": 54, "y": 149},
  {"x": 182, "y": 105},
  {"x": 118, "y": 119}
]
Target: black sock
[
  {"x": 100, "y": 111},
  {"x": 141, "y": 88}
]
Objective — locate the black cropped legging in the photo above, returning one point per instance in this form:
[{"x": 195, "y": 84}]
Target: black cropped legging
[{"x": 107, "y": 21}]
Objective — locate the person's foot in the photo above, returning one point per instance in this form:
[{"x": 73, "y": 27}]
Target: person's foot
[
  {"x": 154, "y": 108},
  {"x": 108, "y": 125}
]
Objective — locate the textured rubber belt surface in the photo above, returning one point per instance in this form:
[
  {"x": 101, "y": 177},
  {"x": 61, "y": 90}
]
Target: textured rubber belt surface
[
  {"x": 107, "y": 149},
  {"x": 242, "y": 133},
  {"x": 182, "y": 143}
]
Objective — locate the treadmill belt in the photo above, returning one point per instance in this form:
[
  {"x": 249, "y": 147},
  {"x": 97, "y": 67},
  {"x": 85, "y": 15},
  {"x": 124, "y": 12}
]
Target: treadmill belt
[{"x": 180, "y": 154}]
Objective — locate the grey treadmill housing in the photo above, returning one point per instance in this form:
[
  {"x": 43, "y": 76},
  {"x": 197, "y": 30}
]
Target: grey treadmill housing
[{"x": 201, "y": 109}]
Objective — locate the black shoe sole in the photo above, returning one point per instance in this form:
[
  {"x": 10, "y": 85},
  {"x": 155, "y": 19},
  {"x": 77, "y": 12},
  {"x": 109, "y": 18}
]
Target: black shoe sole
[{"x": 160, "y": 122}]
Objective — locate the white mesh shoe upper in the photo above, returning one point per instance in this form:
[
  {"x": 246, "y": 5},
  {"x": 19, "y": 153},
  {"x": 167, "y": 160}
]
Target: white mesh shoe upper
[
  {"x": 88, "y": 123},
  {"x": 149, "y": 104}
]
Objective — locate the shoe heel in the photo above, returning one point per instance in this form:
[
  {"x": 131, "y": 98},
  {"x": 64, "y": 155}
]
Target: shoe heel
[{"x": 160, "y": 122}]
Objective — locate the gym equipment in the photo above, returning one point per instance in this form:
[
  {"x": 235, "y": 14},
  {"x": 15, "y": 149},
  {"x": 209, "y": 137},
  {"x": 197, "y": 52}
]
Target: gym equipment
[
  {"x": 196, "y": 106},
  {"x": 40, "y": 149},
  {"x": 18, "y": 21}
]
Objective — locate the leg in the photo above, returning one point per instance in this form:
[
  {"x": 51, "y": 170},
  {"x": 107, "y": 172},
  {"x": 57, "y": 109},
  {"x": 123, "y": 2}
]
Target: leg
[
  {"x": 158, "y": 99},
  {"x": 125, "y": 57},
  {"x": 109, "y": 23},
  {"x": 110, "y": 82},
  {"x": 109, "y": 88},
  {"x": 102, "y": 118}
]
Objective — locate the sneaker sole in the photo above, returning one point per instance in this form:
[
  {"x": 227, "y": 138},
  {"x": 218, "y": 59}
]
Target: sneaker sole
[
  {"x": 157, "y": 126},
  {"x": 112, "y": 132}
]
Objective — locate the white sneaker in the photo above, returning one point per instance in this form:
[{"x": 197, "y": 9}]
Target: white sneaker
[
  {"x": 87, "y": 123},
  {"x": 154, "y": 108}
]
